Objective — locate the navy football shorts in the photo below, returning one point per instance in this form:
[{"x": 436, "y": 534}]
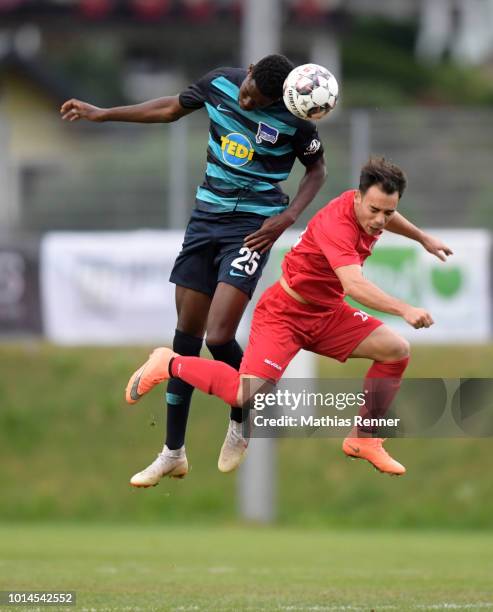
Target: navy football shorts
[{"x": 213, "y": 252}]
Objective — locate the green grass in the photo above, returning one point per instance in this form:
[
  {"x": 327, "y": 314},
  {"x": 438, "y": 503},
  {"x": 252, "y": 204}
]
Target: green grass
[
  {"x": 445, "y": 361},
  {"x": 249, "y": 568},
  {"x": 347, "y": 539},
  {"x": 69, "y": 443}
]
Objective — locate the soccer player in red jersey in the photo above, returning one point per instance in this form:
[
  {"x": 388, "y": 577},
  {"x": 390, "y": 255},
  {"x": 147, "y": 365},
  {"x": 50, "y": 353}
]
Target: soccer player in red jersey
[{"x": 306, "y": 309}]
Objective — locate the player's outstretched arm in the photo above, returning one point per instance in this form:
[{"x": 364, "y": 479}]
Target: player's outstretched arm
[
  {"x": 366, "y": 293},
  {"x": 272, "y": 228},
  {"x": 160, "y": 110},
  {"x": 398, "y": 224}
]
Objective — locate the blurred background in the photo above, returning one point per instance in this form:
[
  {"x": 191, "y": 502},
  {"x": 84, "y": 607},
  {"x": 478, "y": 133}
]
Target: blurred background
[
  {"x": 92, "y": 216},
  {"x": 416, "y": 82}
]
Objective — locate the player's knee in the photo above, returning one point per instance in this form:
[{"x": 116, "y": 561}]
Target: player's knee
[
  {"x": 218, "y": 336},
  {"x": 399, "y": 349},
  {"x": 249, "y": 386},
  {"x": 239, "y": 396},
  {"x": 244, "y": 394},
  {"x": 190, "y": 327}
]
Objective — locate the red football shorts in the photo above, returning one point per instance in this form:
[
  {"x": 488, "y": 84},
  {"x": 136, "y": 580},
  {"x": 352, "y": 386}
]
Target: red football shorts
[{"x": 281, "y": 326}]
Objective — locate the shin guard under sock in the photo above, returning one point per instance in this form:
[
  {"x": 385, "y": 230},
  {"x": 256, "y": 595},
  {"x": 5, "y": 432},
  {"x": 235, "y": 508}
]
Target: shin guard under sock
[
  {"x": 230, "y": 353},
  {"x": 179, "y": 393},
  {"x": 382, "y": 382},
  {"x": 212, "y": 377}
]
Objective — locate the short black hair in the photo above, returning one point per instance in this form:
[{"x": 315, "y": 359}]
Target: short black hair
[
  {"x": 388, "y": 176},
  {"x": 270, "y": 73}
]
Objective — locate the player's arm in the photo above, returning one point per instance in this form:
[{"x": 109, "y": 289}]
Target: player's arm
[
  {"x": 398, "y": 224},
  {"x": 272, "y": 228},
  {"x": 368, "y": 294},
  {"x": 159, "y": 110},
  {"x": 308, "y": 188}
]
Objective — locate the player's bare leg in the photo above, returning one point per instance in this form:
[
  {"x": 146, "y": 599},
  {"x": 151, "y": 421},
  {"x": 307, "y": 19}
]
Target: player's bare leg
[
  {"x": 390, "y": 353},
  {"x": 383, "y": 345},
  {"x": 225, "y": 312},
  {"x": 192, "y": 309}
]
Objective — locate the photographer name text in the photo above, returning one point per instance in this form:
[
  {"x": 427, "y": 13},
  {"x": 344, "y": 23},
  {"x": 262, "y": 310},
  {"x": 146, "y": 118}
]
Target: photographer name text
[{"x": 323, "y": 421}]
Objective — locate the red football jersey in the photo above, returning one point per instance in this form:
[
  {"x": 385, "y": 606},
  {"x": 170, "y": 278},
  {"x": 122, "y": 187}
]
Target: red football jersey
[{"x": 333, "y": 238}]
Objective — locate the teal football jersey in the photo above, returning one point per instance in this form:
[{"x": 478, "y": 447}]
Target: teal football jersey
[{"x": 249, "y": 152}]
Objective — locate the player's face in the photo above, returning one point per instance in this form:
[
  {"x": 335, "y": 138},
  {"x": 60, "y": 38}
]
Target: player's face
[
  {"x": 250, "y": 97},
  {"x": 375, "y": 208}
]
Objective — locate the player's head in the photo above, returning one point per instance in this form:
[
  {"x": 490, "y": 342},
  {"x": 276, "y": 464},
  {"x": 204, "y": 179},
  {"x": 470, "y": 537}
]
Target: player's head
[
  {"x": 381, "y": 186},
  {"x": 263, "y": 83}
]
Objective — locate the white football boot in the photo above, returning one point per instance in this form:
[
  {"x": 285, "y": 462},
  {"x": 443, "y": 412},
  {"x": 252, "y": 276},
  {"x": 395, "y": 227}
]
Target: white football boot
[
  {"x": 172, "y": 463},
  {"x": 234, "y": 448}
]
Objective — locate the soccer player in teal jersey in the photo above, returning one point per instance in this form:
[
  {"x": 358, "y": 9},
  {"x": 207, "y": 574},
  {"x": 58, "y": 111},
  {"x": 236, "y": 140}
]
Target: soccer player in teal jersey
[{"x": 240, "y": 212}]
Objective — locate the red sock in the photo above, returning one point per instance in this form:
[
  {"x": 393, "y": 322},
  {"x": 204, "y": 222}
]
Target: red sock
[
  {"x": 212, "y": 377},
  {"x": 382, "y": 382}
]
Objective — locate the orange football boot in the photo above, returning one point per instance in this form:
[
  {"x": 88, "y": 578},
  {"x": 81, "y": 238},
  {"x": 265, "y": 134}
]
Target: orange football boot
[
  {"x": 153, "y": 372},
  {"x": 373, "y": 451}
]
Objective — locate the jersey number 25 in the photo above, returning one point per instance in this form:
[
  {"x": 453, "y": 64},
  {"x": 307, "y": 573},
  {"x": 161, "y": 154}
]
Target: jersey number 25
[{"x": 247, "y": 262}]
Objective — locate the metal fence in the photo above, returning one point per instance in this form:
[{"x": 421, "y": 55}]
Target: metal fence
[{"x": 120, "y": 176}]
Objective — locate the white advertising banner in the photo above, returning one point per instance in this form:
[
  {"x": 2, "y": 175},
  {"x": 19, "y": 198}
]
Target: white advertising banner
[
  {"x": 109, "y": 287},
  {"x": 113, "y": 288}
]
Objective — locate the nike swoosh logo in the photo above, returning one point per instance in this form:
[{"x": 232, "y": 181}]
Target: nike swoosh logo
[
  {"x": 233, "y": 273},
  {"x": 356, "y": 449},
  {"x": 134, "y": 394},
  {"x": 222, "y": 108}
]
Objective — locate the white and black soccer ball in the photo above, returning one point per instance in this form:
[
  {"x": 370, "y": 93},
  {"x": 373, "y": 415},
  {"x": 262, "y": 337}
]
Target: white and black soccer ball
[{"x": 310, "y": 91}]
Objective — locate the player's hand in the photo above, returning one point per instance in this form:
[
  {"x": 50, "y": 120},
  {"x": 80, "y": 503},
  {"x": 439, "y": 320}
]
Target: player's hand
[
  {"x": 271, "y": 229},
  {"x": 417, "y": 317},
  {"x": 436, "y": 247},
  {"x": 73, "y": 110}
]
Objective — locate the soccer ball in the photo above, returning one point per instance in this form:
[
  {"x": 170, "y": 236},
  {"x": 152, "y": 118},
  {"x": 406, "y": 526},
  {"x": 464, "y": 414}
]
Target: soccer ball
[{"x": 310, "y": 91}]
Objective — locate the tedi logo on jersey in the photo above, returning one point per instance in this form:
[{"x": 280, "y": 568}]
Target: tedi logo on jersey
[
  {"x": 267, "y": 133},
  {"x": 236, "y": 149}
]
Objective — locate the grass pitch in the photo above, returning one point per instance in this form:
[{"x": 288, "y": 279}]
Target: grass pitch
[
  {"x": 69, "y": 444},
  {"x": 238, "y": 568}
]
